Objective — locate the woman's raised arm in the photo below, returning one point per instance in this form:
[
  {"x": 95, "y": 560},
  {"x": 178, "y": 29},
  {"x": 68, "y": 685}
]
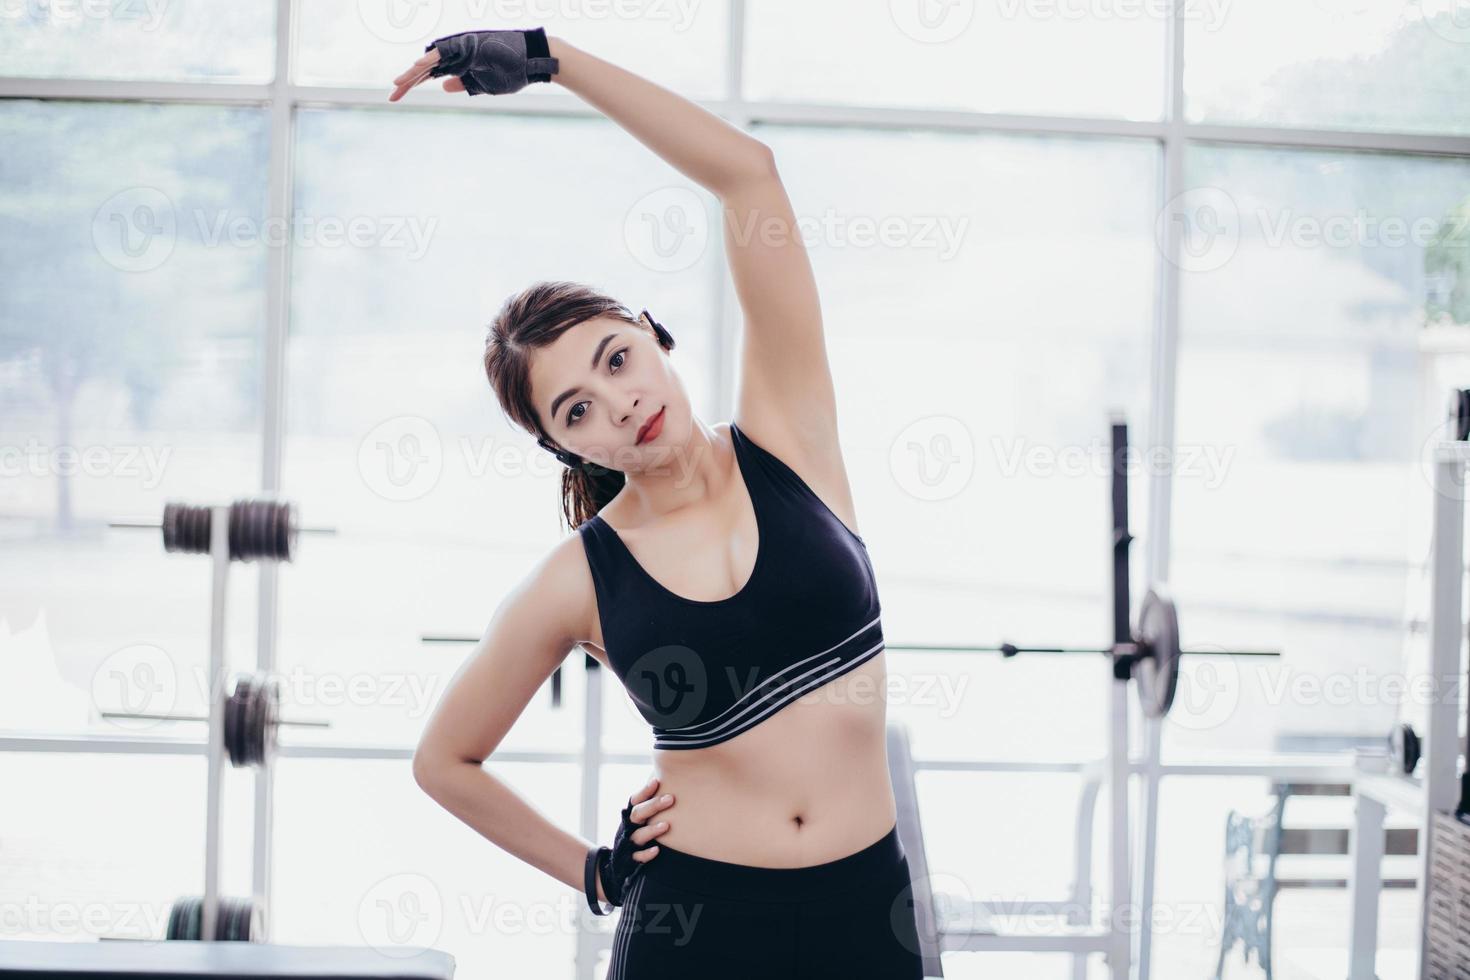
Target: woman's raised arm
[{"x": 696, "y": 142}]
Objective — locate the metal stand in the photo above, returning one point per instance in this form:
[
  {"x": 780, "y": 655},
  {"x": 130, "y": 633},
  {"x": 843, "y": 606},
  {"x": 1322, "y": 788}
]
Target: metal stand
[{"x": 1438, "y": 791}]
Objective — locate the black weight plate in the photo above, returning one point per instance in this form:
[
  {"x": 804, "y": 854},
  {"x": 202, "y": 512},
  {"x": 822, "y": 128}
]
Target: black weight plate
[
  {"x": 235, "y": 725},
  {"x": 278, "y": 527},
  {"x": 257, "y": 723},
  {"x": 267, "y": 528},
  {"x": 175, "y": 917},
  {"x": 181, "y": 529},
  {"x": 1157, "y": 635},
  {"x": 235, "y": 519},
  {"x": 194, "y": 922},
  {"x": 229, "y": 918},
  {"x": 252, "y": 725},
  {"x": 1404, "y": 748},
  {"x": 1459, "y": 414},
  {"x": 231, "y": 725},
  {"x": 170, "y": 512},
  {"x": 253, "y": 522},
  {"x": 270, "y": 530},
  {"x": 246, "y": 695}
]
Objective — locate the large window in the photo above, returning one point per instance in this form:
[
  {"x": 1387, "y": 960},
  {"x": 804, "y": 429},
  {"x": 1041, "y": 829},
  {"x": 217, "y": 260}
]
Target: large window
[{"x": 231, "y": 269}]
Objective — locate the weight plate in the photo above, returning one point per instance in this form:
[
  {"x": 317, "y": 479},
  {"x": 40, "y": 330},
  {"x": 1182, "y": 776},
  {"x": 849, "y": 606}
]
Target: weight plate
[
  {"x": 277, "y": 531},
  {"x": 235, "y": 530},
  {"x": 1157, "y": 670},
  {"x": 235, "y": 725},
  {"x": 252, "y": 725},
  {"x": 1459, "y": 414},
  {"x": 170, "y": 512},
  {"x": 1404, "y": 748},
  {"x": 257, "y": 723},
  {"x": 257, "y": 531}
]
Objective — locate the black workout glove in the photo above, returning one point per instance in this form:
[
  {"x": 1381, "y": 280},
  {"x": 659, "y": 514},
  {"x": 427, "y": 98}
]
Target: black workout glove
[
  {"x": 494, "y": 62},
  {"x": 615, "y": 865}
]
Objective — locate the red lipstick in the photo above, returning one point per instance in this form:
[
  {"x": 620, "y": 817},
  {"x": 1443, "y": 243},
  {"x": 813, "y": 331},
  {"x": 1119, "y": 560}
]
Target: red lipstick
[{"x": 651, "y": 428}]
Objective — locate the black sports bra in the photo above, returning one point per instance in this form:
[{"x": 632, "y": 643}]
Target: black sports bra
[{"x": 701, "y": 672}]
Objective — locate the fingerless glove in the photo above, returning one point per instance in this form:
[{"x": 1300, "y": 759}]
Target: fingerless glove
[
  {"x": 495, "y": 62},
  {"x": 614, "y": 865}
]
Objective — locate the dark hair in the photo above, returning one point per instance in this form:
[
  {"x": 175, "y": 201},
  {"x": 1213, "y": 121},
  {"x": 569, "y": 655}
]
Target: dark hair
[{"x": 535, "y": 317}]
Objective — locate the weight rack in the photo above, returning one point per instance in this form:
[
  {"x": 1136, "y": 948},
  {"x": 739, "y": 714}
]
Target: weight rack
[{"x": 1436, "y": 796}]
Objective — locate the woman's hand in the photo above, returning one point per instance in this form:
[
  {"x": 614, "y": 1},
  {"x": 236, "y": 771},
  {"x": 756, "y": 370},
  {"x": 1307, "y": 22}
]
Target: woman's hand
[
  {"x": 483, "y": 62},
  {"x": 635, "y": 829},
  {"x": 645, "y": 805},
  {"x": 418, "y": 71}
]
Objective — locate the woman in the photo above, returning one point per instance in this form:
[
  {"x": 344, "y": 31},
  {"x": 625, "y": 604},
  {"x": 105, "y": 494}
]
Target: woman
[{"x": 717, "y": 571}]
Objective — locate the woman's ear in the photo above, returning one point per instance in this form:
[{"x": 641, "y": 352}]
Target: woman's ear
[{"x": 665, "y": 339}]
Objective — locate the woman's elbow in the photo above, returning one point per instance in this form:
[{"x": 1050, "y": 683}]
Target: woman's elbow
[
  {"x": 760, "y": 164},
  {"x": 429, "y": 769}
]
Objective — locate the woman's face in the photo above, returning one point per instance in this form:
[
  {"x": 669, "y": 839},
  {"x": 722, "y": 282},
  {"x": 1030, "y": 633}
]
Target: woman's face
[{"x": 598, "y": 383}]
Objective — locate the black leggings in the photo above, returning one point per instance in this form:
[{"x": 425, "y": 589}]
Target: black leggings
[{"x": 686, "y": 917}]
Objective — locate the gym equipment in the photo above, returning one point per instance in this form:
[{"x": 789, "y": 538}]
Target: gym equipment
[
  {"x": 1404, "y": 748},
  {"x": 259, "y": 529},
  {"x": 239, "y": 920},
  {"x": 252, "y": 715},
  {"x": 1148, "y": 652},
  {"x": 1460, "y": 413},
  {"x": 133, "y": 960},
  {"x": 1250, "y": 884},
  {"x": 1430, "y": 794},
  {"x": 242, "y": 727},
  {"x": 1447, "y": 945}
]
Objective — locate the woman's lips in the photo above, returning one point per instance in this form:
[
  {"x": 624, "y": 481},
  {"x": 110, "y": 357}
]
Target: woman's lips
[{"x": 652, "y": 428}]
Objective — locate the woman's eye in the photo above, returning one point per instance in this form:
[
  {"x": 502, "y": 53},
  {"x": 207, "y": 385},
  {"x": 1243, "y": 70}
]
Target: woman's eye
[{"x": 620, "y": 356}]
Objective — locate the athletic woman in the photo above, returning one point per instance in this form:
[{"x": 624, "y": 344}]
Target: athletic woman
[{"x": 717, "y": 571}]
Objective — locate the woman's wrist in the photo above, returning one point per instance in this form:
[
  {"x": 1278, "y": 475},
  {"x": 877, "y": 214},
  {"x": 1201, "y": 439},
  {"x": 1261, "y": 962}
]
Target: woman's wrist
[{"x": 558, "y": 50}]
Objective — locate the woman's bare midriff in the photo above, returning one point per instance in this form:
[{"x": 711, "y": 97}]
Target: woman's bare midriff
[{"x": 809, "y": 784}]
